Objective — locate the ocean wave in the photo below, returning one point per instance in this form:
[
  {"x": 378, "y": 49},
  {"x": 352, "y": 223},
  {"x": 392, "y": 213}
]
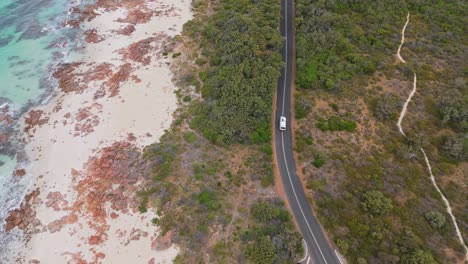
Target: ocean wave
[{"x": 63, "y": 40}]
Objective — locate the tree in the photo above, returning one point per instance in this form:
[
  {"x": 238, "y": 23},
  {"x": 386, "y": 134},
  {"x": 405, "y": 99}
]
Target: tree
[
  {"x": 454, "y": 108},
  {"x": 343, "y": 246},
  {"x": 456, "y": 148},
  {"x": 418, "y": 256},
  {"x": 435, "y": 219},
  {"x": 302, "y": 106},
  {"x": 376, "y": 203},
  {"x": 262, "y": 252}
]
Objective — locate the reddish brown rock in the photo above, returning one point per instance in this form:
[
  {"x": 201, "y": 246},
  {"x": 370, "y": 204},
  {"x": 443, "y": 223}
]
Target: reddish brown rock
[
  {"x": 95, "y": 240},
  {"x": 65, "y": 75},
  {"x": 4, "y": 137},
  {"x": 86, "y": 120},
  {"x": 139, "y": 51},
  {"x": 131, "y": 137},
  {"x": 100, "y": 72},
  {"x": 19, "y": 172},
  {"x": 164, "y": 242},
  {"x": 34, "y": 119},
  {"x": 23, "y": 216},
  {"x": 128, "y": 30},
  {"x": 56, "y": 201},
  {"x": 5, "y": 116},
  {"x": 114, "y": 215},
  {"x": 92, "y": 36},
  {"x": 137, "y": 16},
  {"x": 119, "y": 77},
  {"x": 119, "y": 204},
  {"x": 117, "y": 165}
]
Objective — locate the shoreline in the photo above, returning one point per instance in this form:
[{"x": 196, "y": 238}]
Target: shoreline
[{"x": 115, "y": 98}]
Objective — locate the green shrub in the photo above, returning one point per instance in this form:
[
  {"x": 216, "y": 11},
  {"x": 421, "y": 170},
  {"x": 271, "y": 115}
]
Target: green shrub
[
  {"x": 207, "y": 198},
  {"x": 334, "y": 107},
  {"x": 419, "y": 256},
  {"x": 319, "y": 160},
  {"x": 262, "y": 252},
  {"x": 302, "y": 106},
  {"x": 387, "y": 107},
  {"x": 435, "y": 219},
  {"x": 190, "y": 137},
  {"x": 263, "y": 211},
  {"x": 335, "y": 123},
  {"x": 376, "y": 203},
  {"x": 343, "y": 246},
  {"x": 200, "y": 61},
  {"x": 187, "y": 98},
  {"x": 267, "y": 149}
]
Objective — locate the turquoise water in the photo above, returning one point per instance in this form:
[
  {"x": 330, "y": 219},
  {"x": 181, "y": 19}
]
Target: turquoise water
[{"x": 27, "y": 30}]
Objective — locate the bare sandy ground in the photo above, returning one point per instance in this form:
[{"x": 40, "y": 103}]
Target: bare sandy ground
[{"x": 77, "y": 126}]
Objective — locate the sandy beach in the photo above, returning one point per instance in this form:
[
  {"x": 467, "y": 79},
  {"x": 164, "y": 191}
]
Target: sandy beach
[{"x": 115, "y": 96}]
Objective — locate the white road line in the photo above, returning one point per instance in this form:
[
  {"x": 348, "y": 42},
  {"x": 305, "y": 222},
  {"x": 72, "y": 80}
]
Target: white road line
[
  {"x": 306, "y": 251},
  {"x": 282, "y": 134},
  {"x": 308, "y": 260},
  {"x": 297, "y": 200},
  {"x": 338, "y": 257}
]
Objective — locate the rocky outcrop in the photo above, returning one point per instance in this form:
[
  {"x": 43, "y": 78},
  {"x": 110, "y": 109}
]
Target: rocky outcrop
[
  {"x": 19, "y": 172},
  {"x": 24, "y": 216},
  {"x": 86, "y": 119},
  {"x": 110, "y": 177},
  {"x": 121, "y": 76},
  {"x": 139, "y": 51},
  {"x": 91, "y": 36},
  {"x": 137, "y": 16},
  {"x": 164, "y": 242},
  {"x": 65, "y": 75},
  {"x": 127, "y": 31},
  {"x": 34, "y": 118}
]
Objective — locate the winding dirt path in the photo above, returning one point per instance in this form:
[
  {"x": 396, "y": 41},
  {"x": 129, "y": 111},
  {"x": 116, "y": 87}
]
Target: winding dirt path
[
  {"x": 405, "y": 106},
  {"x": 426, "y": 159},
  {"x": 403, "y": 39}
]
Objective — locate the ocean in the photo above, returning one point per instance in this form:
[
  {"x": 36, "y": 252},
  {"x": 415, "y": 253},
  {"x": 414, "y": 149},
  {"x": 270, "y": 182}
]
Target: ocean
[{"x": 32, "y": 42}]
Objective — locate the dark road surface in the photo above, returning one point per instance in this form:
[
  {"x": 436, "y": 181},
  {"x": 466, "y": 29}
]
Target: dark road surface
[{"x": 317, "y": 248}]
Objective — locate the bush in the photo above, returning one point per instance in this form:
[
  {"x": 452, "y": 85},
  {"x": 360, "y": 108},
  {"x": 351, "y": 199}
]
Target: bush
[
  {"x": 456, "y": 148},
  {"x": 302, "y": 107},
  {"x": 262, "y": 252},
  {"x": 200, "y": 61},
  {"x": 335, "y": 123},
  {"x": 319, "y": 160},
  {"x": 454, "y": 109},
  {"x": 387, "y": 107},
  {"x": 207, "y": 198},
  {"x": 343, "y": 246},
  {"x": 190, "y": 137},
  {"x": 243, "y": 45},
  {"x": 435, "y": 219},
  {"x": 376, "y": 203},
  {"x": 263, "y": 211},
  {"x": 187, "y": 98},
  {"x": 419, "y": 256}
]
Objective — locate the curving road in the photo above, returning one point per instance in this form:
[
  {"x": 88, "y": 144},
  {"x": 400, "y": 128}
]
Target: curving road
[{"x": 316, "y": 245}]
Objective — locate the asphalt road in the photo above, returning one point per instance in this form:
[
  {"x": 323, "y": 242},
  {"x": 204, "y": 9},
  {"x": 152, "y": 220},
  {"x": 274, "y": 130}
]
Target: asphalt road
[{"x": 317, "y": 248}]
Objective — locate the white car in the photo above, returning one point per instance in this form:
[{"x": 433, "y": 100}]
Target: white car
[{"x": 282, "y": 125}]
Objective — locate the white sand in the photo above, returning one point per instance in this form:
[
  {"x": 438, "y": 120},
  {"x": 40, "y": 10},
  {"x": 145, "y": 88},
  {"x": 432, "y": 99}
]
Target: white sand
[{"x": 140, "y": 108}]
